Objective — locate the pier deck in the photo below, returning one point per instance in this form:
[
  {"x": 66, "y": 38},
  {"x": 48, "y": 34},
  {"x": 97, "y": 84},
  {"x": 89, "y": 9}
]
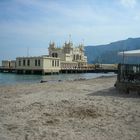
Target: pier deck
[{"x": 76, "y": 70}]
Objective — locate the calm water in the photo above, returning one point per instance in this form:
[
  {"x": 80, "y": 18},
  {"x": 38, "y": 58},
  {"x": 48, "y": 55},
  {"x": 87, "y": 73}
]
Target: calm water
[{"x": 8, "y": 79}]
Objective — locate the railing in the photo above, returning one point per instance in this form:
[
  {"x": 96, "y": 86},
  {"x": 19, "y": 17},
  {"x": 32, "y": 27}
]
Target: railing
[
  {"x": 77, "y": 68},
  {"x": 129, "y": 73}
]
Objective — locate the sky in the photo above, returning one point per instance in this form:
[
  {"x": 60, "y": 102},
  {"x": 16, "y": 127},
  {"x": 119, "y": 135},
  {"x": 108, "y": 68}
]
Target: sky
[{"x": 28, "y": 26}]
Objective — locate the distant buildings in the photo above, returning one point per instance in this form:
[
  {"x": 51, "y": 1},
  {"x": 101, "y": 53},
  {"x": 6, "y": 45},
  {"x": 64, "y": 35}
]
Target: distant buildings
[
  {"x": 67, "y": 57},
  {"x": 8, "y": 63}
]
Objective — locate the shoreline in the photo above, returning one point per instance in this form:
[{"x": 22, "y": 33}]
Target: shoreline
[
  {"x": 57, "y": 80},
  {"x": 82, "y": 109}
]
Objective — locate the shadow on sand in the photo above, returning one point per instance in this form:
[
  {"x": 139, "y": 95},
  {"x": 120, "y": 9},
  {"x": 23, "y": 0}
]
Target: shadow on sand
[{"x": 115, "y": 93}]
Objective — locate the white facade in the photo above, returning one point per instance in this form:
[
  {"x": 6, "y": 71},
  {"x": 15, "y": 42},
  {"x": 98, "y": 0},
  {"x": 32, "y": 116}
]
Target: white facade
[
  {"x": 41, "y": 63},
  {"x": 9, "y": 64},
  {"x": 69, "y": 55}
]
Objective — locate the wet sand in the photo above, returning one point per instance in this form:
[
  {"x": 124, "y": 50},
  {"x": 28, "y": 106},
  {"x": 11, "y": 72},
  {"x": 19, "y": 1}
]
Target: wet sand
[{"x": 69, "y": 110}]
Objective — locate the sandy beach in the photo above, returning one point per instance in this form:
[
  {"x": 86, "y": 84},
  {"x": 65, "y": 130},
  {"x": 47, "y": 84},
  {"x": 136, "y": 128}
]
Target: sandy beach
[{"x": 69, "y": 110}]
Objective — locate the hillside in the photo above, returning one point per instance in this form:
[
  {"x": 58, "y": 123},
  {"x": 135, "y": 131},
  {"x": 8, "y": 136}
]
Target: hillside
[{"x": 108, "y": 53}]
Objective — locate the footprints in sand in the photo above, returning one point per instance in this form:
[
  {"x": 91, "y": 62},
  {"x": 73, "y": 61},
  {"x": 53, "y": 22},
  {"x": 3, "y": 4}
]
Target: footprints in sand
[
  {"x": 51, "y": 121},
  {"x": 68, "y": 109},
  {"x": 83, "y": 112},
  {"x": 51, "y": 116},
  {"x": 11, "y": 127},
  {"x": 34, "y": 106}
]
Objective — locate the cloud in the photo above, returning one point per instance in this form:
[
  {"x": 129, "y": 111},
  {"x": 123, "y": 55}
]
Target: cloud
[
  {"x": 129, "y": 3},
  {"x": 137, "y": 18},
  {"x": 42, "y": 21}
]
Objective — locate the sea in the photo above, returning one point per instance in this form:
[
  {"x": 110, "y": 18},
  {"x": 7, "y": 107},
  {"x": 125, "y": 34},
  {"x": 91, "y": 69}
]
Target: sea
[{"x": 10, "y": 79}]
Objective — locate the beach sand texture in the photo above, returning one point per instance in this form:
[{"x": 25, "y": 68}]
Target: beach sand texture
[{"x": 69, "y": 110}]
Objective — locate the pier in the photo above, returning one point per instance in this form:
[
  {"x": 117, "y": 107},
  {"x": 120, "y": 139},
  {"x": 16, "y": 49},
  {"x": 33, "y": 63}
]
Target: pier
[
  {"x": 88, "y": 70},
  {"x": 7, "y": 70},
  {"x": 68, "y": 71},
  {"x": 66, "y": 59}
]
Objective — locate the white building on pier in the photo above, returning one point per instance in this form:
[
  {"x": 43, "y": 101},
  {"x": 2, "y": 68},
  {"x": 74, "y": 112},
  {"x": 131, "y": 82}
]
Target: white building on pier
[
  {"x": 66, "y": 57},
  {"x": 70, "y": 56}
]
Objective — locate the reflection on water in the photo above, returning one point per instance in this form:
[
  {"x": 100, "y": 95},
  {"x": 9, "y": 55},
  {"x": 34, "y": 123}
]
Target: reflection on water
[{"x": 7, "y": 78}]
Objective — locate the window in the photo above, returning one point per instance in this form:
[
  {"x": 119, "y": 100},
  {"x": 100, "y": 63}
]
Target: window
[
  {"x": 35, "y": 62},
  {"x": 24, "y": 62},
  {"x": 53, "y": 63},
  {"x": 9, "y": 64},
  {"x": 28, "y": 62},
  {"x": 77, "y": 57},
  {"x": 38, "y": 62},
  {"x": 54, "y": 55},
  {"x": 74, "y": 57},
  {"x": 19, "y": 62},
  {"x": 58, "y": 63}
]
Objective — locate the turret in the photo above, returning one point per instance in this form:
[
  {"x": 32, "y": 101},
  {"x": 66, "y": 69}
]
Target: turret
[
  {"x": 51, "y": 47},
  {"x": 68, "y": 45},
  {"x": 81, "y": 47}
]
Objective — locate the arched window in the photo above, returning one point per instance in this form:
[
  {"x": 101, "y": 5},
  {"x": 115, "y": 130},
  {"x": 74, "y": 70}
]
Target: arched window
[
  {"x": 74, "y": 57},
  {"x": 54, "y": 55},
  {"x": 77, "y": 57}
]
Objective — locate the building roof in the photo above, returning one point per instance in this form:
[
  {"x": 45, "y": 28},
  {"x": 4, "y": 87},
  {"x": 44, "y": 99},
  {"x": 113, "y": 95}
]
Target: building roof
[{"x": 130, "y": 53}]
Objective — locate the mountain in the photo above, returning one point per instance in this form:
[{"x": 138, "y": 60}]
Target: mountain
[{"x": 109, "y": 53}]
